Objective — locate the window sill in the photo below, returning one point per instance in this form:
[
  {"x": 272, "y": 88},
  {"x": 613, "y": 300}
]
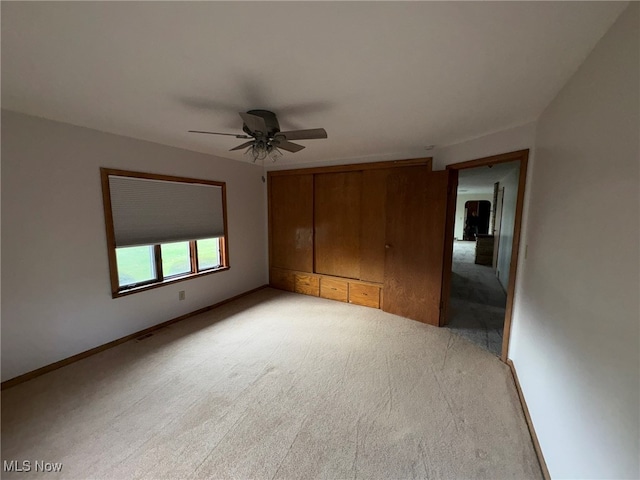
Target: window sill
[{"x": 151, "y": 286}]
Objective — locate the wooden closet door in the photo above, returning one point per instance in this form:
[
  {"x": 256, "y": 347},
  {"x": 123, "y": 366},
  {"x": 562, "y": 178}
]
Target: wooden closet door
[
  {"x": 416, "y": 236},
  {"x": 337, "y": 223},
  {"x": 373, "y": 224},
  {"x": 373, "y": 219},
  {"x": 291, "y": 222}
]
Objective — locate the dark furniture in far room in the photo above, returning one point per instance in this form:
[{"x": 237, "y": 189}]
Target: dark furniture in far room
[{"x": 484, "y": 249}]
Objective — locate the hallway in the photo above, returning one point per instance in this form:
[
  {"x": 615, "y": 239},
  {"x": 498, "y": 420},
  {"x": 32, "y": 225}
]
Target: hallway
[{"x": 477, "y": 302}]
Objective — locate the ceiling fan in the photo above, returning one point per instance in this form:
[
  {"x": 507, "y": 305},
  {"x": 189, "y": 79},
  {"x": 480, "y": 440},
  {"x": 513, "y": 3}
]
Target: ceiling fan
[{"x": 262, "y": 127}]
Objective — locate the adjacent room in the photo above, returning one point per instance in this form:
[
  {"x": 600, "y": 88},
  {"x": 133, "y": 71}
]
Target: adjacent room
[
  {"x": 293, "y": 240},
  {"x": 485, "y": 215}
]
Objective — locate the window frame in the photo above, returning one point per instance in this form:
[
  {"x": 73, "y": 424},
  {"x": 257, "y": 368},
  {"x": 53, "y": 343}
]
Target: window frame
[{"x": 118, "y": 291}]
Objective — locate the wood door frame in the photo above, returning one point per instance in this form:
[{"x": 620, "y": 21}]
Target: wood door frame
[
  {"x": 523, "y": 157},
  {"x": 496, "y": 231},
  {"x": 449, "y": 232}
]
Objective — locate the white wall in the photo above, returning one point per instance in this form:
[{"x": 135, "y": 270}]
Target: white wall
[
  {"x": 509, "y": 140},
  {"x": 576, "y": 326},
  {"x": 505, "y": 244},
  {"x": 56, "y": 298},
  {"x": 461, "y": 199}
]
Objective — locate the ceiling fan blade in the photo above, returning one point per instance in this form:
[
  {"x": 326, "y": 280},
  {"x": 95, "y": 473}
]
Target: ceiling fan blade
[
  {"x": 244, "y": 145},
  {"x": 216, "y": 133},
  {"x": 288, "y": 146},
  {"x": 254, "y": 122},
  {"x": 309, "y": 134}
]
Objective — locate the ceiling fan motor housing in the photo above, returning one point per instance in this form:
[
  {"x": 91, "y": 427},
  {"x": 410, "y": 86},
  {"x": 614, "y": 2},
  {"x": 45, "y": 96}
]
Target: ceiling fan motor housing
[
  {"x": 263, "y": 127},
  {"x": 270, "y": 120}
]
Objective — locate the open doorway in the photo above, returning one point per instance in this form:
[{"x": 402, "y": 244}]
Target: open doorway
[{"x": 487, "y": 222}]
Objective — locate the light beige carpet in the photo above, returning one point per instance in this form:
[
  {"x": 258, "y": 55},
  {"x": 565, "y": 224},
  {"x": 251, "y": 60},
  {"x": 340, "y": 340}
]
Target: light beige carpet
[
  {"x": 477, "y": 303},
  {"x": 277, "y": 385}
]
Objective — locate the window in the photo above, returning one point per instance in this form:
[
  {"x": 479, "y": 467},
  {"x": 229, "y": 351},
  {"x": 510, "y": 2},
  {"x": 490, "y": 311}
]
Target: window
[
  {"x": 162, "y": 229},
  {"x": 136, "y": 265},
  {"x": 208, "y": 253},
  {"x": 139, "y": 266},
  {"x": 176, "y": 258}
]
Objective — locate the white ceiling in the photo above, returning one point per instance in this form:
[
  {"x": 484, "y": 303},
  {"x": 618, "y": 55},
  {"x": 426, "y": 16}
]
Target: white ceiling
[
  {"x": 481, "y": 179},
  {"x": 383, "y": 78}
]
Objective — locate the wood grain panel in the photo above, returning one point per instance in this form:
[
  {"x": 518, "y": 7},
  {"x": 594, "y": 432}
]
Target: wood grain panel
[
  {"x": 334, "y": 289},
  {"x": 373, "y": 220},
  {"x": 337, "y": 224},
  {"x": 427, "y": 162},
  {"x": 373, "y": 224},
  {"x": 307, "y": 284},
  {"x": 367, "y": 295},
  {"x": 416, "y": 218},
  {"x": 282, "y": 279},
  {"x": 291, "y": 222},
  {"x": 448, "y": 247}
]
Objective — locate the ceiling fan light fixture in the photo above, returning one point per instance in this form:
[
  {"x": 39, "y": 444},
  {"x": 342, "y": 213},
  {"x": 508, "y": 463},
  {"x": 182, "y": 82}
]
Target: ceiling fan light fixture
[
  {"x": 257, "y": 151},
  {"x": 263, "y": 127},
  {"x": 262, "y": 149},
  {"x": 275, "y": 154}
]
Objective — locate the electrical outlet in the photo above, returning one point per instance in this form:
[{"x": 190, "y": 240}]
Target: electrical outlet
[{"x": 181, "y": 295}]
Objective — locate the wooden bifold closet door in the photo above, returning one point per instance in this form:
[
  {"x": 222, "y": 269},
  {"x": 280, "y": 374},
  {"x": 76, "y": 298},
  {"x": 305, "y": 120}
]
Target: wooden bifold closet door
[
  {"x": 337, "y": 223},
  {"x": 291, "y": 222},
  {"x": 373, "y": 219},
  {"x": 373, "y": 223}
]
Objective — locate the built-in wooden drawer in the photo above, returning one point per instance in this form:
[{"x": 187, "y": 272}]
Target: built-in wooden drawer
[
  {"x": 282, "y": 279},
  {"x": 362, "y": 294},
  {"x": 334, "y": 289},
  {"x": 307, "y": 284}
]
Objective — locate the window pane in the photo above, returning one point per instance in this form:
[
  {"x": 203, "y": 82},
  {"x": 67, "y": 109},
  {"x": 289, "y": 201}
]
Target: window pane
[
  {"x": 135, "y": 265},
  {"x": 175, "y": 259},
  {"x": 208, "y": 253}
]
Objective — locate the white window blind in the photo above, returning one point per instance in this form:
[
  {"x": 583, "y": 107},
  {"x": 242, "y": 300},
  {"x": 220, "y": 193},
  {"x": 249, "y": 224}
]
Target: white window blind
[{"x": 147, "y": 212}]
